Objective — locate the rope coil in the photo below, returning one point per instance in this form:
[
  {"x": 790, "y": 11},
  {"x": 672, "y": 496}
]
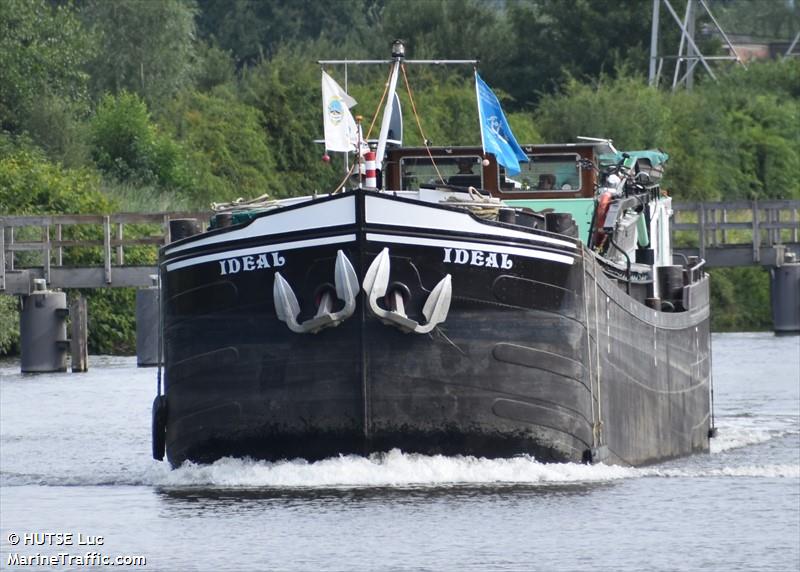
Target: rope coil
[
  {"x": 259, "y": 202},
  {"x": 482, "y": 206}
]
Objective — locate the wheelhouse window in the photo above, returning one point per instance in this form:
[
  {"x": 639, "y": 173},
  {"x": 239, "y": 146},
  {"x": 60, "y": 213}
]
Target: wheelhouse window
[
  {"x": 463, "y": 171},
  {"x": 546, "y": 173}
]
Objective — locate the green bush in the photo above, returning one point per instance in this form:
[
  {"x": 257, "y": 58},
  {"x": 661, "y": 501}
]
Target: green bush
[
  {"x": 736, "y": 138},
  {"x": 740, "y": 299},
  {"x": 623, "y": 109},
  {"x": 126, "y": 145},
  {"x": 58, "y": 127},
  {"x": 29, "y": 184},
  {"x": 228, "y": 152},
  {"x": 112, "y": 320},
  {"x": 9, "y": 325}
]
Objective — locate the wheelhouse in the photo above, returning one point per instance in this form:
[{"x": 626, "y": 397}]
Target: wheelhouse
[{"x": 553, "y": 171}]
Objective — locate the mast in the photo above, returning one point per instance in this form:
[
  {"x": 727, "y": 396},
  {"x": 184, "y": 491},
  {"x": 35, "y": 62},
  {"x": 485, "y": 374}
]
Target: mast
[
  {"x": 398, "y": 59},
  {"x": 398, "y": 54}
]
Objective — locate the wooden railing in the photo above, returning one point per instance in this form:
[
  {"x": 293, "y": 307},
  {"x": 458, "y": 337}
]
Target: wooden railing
[
  {"x": 734, "y": 233},
  {"x": 47, "y": 235}
]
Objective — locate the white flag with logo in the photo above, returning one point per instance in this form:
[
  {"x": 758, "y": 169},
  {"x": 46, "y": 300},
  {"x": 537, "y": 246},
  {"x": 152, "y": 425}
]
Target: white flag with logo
[{"x": 341, "y": 133}]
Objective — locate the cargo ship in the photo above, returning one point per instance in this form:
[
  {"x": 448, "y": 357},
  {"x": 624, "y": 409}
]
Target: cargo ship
[{"x": 443, "y": 303}]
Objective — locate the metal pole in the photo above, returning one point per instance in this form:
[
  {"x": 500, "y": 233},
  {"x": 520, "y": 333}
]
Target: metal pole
[
  {"x": 689, "y": 38},
  {"x": 654, "y": 43},
  {"x": 160, "y": 332},
  {"x": 675, "y": 80},
  {"x": 724, "y": 36},
  {"x": 691, "y": 51},
  {"x": 791, "y": 48},
  {"x": 346, "y": 155}
]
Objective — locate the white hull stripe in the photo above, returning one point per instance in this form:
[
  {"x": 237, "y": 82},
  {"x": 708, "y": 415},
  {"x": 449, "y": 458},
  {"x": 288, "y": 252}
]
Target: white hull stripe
[
  {"x": 312, "y": 216},
  {"x": 260, "y": 250},
  {"x": 396, "y": 213},
  {"x": 515, "y": 250}
]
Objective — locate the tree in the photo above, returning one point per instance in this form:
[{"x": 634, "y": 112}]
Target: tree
[
  {"x": 42, "y": 53},
  {"x": 256, "y": 29},
  {"x": 457, "y": 30},
  {"x": 623, "y": 109},
  {"x": 146, "y": 47},
  {"x": 758, "y": 18},
  {"x": 285, "y": 90},
  {"x": 29, "y": 184},
  {"x": 128, "y": 146},
  {"x": 229, "y": 154},
  {"x": 214, "y": 67}
]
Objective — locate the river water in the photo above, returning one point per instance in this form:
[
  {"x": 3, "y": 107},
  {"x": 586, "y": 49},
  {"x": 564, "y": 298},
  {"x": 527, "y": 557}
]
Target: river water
[{"x": 75, "y": 460}]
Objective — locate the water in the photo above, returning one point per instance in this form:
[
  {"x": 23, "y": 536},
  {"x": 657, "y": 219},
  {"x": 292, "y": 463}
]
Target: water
[{"x": 75, "y": 458}]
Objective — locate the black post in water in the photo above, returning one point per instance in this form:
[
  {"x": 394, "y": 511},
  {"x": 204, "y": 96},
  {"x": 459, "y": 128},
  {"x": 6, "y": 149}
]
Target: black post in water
[
  {"x": 785, "y": 290},
  {"x": 147, "y": 337}
]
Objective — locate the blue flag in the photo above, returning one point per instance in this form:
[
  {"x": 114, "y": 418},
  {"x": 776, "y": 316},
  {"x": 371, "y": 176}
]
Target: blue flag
[{"x": 496, "y": 135}]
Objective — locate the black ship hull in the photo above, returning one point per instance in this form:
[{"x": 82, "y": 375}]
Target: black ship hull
[{"x": 540, "y": 353}]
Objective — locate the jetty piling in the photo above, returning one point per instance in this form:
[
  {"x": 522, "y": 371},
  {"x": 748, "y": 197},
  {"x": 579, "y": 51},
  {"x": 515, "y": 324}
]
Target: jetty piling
[
  {"x": 147, "y": 322},
  {"x": 43, "y": 330},
  {"x": 40, "y": 267},
  {"x": 785, "y": 294},
  {"x": 79, "y": 334}
]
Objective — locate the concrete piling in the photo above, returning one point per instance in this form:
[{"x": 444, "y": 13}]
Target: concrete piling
[
  {"x": 43, "y": 330},
  {"x": 147, "y": 326},
  {"x": 785, "y": 291}
]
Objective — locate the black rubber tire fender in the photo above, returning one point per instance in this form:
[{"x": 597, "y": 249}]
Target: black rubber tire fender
[{"x": 159, "y": 427}]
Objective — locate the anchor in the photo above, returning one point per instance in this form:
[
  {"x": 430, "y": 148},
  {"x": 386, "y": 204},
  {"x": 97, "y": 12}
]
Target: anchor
[
  {"x": 287, "y": 307},
  {"x": 376, "y": 282}
]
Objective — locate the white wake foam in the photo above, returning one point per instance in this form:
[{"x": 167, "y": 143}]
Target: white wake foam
[
  {"x": 736, "y": 432},
  {"x": 398, "y": 470},
  {"x": 731, "y": 437},
  {"x": 758, "y": 471},
  {"x": 392, "y": 469}
]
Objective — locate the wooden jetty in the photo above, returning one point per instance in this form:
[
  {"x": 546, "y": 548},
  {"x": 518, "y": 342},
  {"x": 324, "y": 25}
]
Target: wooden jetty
[
  {"x": 46, "y": 236},
  {"x": 738, "y": 233}
]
